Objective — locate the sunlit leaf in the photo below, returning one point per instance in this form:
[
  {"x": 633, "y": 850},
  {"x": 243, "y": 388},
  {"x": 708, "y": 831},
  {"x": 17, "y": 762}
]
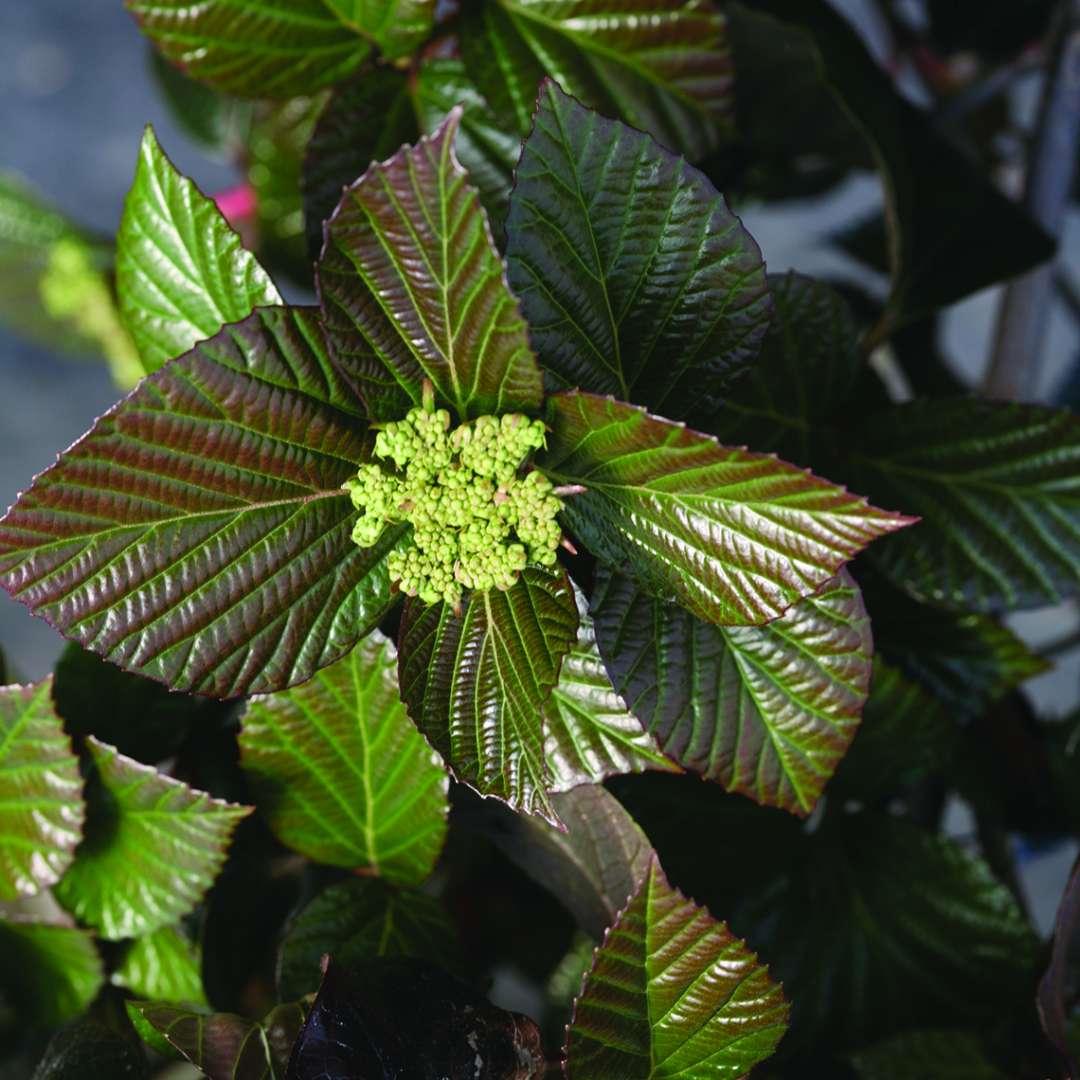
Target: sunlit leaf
[
  {"x": 341, "y": 773},
  {"x": 153, "y": 848},
  {"x": 396, "y": 26},
  {"x": 163, "y": 966}
]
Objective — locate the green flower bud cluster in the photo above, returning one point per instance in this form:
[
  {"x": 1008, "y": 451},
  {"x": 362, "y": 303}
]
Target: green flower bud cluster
[{"x": 477, "y": 519}]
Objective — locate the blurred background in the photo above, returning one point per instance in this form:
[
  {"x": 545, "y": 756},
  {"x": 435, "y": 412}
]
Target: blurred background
[{"x": 77, "y": 88}]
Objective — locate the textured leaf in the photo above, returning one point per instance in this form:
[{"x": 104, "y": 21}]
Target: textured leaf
[
  {"x": 255, "y": 48},
  {"x": 807, "y": 370},
  {"x": 181, "y": 271},
  {"x": 50, "y": 973},
  {"x": 198, "y": 533},
  {"x": 163, "y": 966},
  {"x": 590, "y": 734},
  {"x": 412, "y": 287},
  {"x": 396, "y": 26},
  {"x": 475, "y": 684},
  {"x": 634, "y": 276},
  {"x": 342, "y": 775},
  {"x": 998, "y": 489},
  {"x": 399, "y": 1017},
  {"x": 359, "y": 919},
  {"x": 928, "y": 1055},
  {"x": 768, "y": 711},
  {"x": 592, "y": 868},
  {"x": 153, "y": 848},
  {"x": 672, "y": 993},
  {"x": 226, "y": 1046},
  {"x": 735, "y": 537},
  {"x": 661, "y": 65},
  {"x": 41, "y": 803},
  {"x": 89, "y": 1048}
]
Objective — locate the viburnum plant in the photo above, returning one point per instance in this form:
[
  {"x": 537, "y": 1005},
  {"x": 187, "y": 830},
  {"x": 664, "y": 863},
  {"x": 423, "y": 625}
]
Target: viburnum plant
[{"x": 470, "y": 571}]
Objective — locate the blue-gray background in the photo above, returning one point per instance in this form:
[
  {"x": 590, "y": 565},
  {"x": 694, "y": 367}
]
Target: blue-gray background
[{"x": 75, "y": 93}]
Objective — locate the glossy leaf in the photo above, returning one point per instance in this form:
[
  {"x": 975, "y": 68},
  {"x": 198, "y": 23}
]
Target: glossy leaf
[
  {"x": 41, "y": 803},
  {"x": 735, "y": 537},
  {"x": 50, "y": 973},
  {"x": 807, "y": 370},
  {"x": 153, "y": 848},
  {"x": 342, "y": 775},
  {"x": 672, "y": 993},
  {"x": 225, "y": 1046},
  {"x": 90, "y": 1048},
  {"x": 634, "y": 276},
  {"x": 181, "y": 271},
  {"x": 928, "y": 1055},
  {"x": 164, "y": 966},
  {"x": 356, "y": 920},
  {"x": 661, "y": 65},
  {"x": 997, "y": 487},
  {"x": 198, "y": 532},
  {"x": 475, "y": 683},
  {"x": 396, "y": 26},
  {"x": 413, "y": 288},
  {"x": 590, "y": 733},
  {"x": 768, "y": 711},
  {"x": 592, "y": 868},
  {"x": 399, "y": 1017},
  {"x": 255, "y": 48}
]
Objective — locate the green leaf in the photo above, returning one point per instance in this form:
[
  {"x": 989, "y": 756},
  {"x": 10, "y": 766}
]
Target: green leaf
[
  {"x": 50, "y": 973},
  {"x": 396, "y": 26},
  {"x": 592, "y": 868},
  {"x": 153, "y": 847},
  {"x": 735, "y": 537},
  {"x": 634, "y": 276},
  {"x": 590, "y": 734},
  {"x": 412, "y": 287},
  {"x": 41, "y": 803},
  {"x": 342, "y": 775},
  {"x": 181, "y": 271},
  {"x": 89, "y": 1048},
  {"x": 198, "y": 533},
  {"x": 996, "y": 486},
  {"x": 476, "y": 683},
  {"x": 805, "y": 374},
  {"x": 768, "y": 711},
  {"x": 672, "y": 993},
  {"x": 928, "y": 1055},
  {"x": 255, "y": 48},
  {"x": 359, "y": 919},
  {"x": 226, "y": 1046},
  {"x": 660, "y": 65},
  {"x": 952, "y": 231},
  {"x": 163, "y": 966}
]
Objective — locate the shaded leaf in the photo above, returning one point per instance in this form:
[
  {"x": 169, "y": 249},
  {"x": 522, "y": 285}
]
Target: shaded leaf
[
  {"x": 590, "y": 733},
  {"x": 198, "y": 532},
  {"x": 41, "y": 792},
  {"x": 396, "y": 26},
  {"x": 996, "y": 486},
  {"x": 634, "y": 276},
  {"x": 359, "y": 919},
  {"x": 475, "y": 683},
  {"x": 181, "y": 271},
  {"x": 928, "y": 1055},
  {"x": 592, "y": 868},
  {"x": 807, "y": 370},
  {"x": 226, "y": 1046},
  {"x": 768, "y": 711},
  {"x": 735, "y": 537},
  {"x": 1052, "y": 997},
  {"x": 255, "y": 48},
  {"x": 342, "y": 775},
  {"x": 403, "y": 1018},
  {"x": 50, "y": 973},
  {"x": 661, "y": 65},
  {"x": 153, "y": 847},
  {"x": 672, "y": 993},
  {"x": 89, "y": 1048},
  {"x": 164, "y": 966},
  {"x": 953, "y": 232},
  {"x": 412, "y": 288}
]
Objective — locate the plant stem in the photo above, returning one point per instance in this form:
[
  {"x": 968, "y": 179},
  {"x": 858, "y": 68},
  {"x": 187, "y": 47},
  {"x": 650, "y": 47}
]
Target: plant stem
[{"x": 1016, "y": 361}]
